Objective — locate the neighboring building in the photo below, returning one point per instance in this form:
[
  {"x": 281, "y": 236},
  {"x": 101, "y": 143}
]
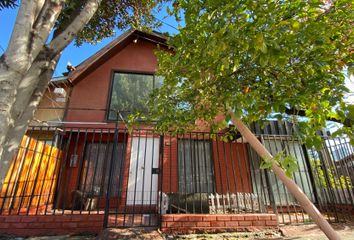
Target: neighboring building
[
  {"x": 109, "y": 176},
  {"x": 51, "y": 109}
]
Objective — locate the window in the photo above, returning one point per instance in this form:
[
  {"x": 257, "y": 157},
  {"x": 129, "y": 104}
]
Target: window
[
  {"x": 97, "y": 163},
  {"x": 195, "y": 168},
  {"x": 130, "y": 92}
]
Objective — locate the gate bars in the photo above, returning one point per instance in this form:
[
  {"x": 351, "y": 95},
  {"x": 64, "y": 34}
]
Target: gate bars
[{"x": 134, "y": 176}]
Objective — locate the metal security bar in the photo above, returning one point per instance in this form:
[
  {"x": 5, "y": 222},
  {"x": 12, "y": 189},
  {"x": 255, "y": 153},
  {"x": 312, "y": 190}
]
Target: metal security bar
[
  {"x": 325, "y": 175},
  {"x": 206, "y": 173},
  {"x": 132, "y": 177}
]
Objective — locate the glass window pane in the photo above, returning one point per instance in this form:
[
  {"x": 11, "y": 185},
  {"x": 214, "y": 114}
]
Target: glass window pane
[{"x": 129, "y": 93}]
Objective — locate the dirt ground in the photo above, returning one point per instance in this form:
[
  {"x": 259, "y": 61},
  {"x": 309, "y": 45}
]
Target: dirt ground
[
  {"x": 311, "y": 231},
  {"x": 289, "y": 232}
]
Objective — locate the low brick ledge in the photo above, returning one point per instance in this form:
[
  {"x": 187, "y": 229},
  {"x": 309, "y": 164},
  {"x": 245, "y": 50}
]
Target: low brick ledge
[
  {"x": 186, "y": 223},
  {"x": 28, "y": 226}
]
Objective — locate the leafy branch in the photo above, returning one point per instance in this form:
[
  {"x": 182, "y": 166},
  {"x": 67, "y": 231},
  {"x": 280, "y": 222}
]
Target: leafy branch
[{"x": 286, "y": 162}]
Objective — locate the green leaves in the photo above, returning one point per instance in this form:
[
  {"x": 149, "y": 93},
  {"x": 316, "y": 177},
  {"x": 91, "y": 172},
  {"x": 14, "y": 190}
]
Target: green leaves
[
  {"x": 7, "y": 4},
  {"x": 260, "y": 43},
  {"x": 266, "y": 163},
  {"x": 286, "y": 162},
  {"x": 110, "y": 16},
  {"x": 257, "y": 58}
]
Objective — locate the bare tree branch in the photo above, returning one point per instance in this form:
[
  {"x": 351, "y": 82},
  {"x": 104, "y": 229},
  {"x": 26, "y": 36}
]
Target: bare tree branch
[
  {"x": 67, "y": 35},
  {"x": 44, "y": 24},
  {"x": 19, "y": 41}
]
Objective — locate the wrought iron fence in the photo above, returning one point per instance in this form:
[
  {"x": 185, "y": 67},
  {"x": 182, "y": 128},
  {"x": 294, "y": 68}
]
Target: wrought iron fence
[
  {"x": 134, "y": 176},
  {"x": 325, "y": 175}
]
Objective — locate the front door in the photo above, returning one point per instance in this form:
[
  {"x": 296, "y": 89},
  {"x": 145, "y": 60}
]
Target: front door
[{"x": 143, "y": 169}]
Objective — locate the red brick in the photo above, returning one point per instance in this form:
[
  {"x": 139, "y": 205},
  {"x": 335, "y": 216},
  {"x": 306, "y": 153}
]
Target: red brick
[
  {"x": 18, "y": 225},
  {"x": 167, "y": 218},
  {"x": 163, "y": 224},
  {"x": 203, "y": 224},
  {"x": 271, "y": 223},
  {"x": 195, "y": 218},
  {"x": 79, "y": 218},
  {"x": 22, "y": 232},
  {"x": 36, "y": 225},
  {"x": 174, "y": 224},
  {"x": 237, "y": 218},
  {"x": 274, "y": 217},
  {"x": 62, "y": 218},
  {"x": 245, "y": 223},
  {"x": 13, "y": 219},
  {"x": 189, "y": 224},
  {"x": 29, "y": 219},
  {"x": 4, "y": 225},
  {"x": 251, "y": 217},
  {"x": 95, "y": 217},
  {"x": 231, "y": 224},
  {"x": 71, "y": 225},
  {"x": 52, "y": 225},
  {"x": 182, "y": 217},
  {"x": 217, "y": 224},
  {"x": 259, "y": 223},
  {"x": 209, "y": 218},
  {"x": 97, "y": 224},
  {"x": 47, "y": 218},
  {"x": 265, "y": 217},
  {"x": 223, "y": 218}
]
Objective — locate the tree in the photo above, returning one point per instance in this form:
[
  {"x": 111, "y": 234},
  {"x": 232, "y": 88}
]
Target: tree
[
  {"x": 248, "y": 59},
  {"x": 43, "y": 28}
]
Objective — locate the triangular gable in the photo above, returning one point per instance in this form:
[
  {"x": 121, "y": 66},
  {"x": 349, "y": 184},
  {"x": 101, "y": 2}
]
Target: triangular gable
[{"x": 111, "y": 49}]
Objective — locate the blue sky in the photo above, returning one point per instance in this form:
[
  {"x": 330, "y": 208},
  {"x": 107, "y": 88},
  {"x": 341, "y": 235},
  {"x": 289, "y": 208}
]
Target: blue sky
[{"x": 74, "y": 54}]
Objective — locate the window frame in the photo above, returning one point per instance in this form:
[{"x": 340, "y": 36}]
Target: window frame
[{"x": 110, "y": 88}]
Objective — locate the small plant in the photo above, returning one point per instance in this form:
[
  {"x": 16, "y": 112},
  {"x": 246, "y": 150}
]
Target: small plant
[{"x": 334, "y": 181}]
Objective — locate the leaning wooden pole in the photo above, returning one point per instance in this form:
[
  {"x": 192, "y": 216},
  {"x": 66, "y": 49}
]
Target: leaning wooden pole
[{"x": 305, "y": 203}]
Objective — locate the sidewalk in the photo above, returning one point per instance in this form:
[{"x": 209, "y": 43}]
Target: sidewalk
[{"x": 290, "y": 232}]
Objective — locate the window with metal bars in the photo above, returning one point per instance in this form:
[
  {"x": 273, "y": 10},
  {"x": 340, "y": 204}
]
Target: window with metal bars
[
  {"x": 195, "y": 166},
  {"x": 96, "y": 169}
]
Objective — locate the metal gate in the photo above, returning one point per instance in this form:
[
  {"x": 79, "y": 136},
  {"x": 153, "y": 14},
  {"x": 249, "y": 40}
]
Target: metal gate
[{"x": 132, "y": 197}]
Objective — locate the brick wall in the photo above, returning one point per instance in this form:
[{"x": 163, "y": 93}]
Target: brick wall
[
  {"x": 50, "y": 225},
  {"x": 184, "y": 223}
]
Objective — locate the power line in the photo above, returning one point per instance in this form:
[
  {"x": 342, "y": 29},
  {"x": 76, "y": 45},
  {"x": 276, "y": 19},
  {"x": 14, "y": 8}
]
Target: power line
[{"x": 167, "y": 24}]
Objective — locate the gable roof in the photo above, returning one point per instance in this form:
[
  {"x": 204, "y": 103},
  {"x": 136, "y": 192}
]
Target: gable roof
[{"x": 113, "y": 47}]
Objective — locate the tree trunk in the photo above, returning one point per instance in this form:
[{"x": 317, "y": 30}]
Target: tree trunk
[
  {"x": 8, "y": 82},
  {"x": 22, "y": 120},
  {"x": 24, "y": 47},
  {"x": 294, "y": 189}
]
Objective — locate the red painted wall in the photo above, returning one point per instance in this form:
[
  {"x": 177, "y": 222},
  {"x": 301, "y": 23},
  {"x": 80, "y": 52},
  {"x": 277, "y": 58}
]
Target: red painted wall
[
  {"x": 231, "y": 167},
  {"x": 92, "y": 92}
]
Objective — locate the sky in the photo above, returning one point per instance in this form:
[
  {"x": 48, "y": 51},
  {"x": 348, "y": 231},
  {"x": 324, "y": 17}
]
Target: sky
[{"x": 75, "y": 55}]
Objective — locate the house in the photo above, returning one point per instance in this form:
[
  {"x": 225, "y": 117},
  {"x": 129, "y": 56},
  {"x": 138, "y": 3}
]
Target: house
[{"x": 96, "y": 173}]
